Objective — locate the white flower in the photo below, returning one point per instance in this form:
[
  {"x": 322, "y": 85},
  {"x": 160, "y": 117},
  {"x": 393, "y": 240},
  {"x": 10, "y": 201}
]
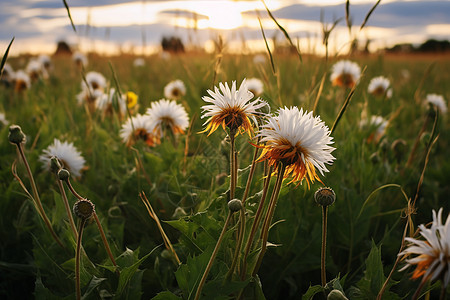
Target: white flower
[
  {"x": 3, "y": 119},
  {"x": 259, "y": 59},
  {"x": 139, "y": 62},
  {"x": 165, "y": 55},
  {"x": 166, "y": 113},
  {"x": 95, "y": 81},
  {"x": 67, "y": 154},
  {"x": 376, "y": 122},
  {"x": 136, "y": 128},
  {"x": 36, "y": 70},
  {"x": 175, "y": 90},
  {"x": 300, "y": 141},
  {"x": 255, "y": 86},
  {"x": 433, "y": 254},
  {"x": 104, "y": 102},
  {"x": 88, "y": 96},
  {"x": 22, "y": 81},
  {"x": 438, "y": 101},
  {"x": 8, "y": 73},
  {"x": 45, "y": 61},
  {"x": 231, "y": 108},
  {"x": 379, "y": 86},
  {"x": 345, "y": 73},
  {"x": 80, "y": 59}
]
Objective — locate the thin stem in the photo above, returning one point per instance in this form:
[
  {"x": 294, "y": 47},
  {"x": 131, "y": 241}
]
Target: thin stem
[
  {"x": 238, "y": 243},
  {"x": 269, "y": 216},
  {"x": 250, "y": 175},
  {"x": 67, "y": 207},
  {"x": 256, "y": 222},
  {"x": 213, "y": 256},
  {"x": 324, "y": 245},
  {"x": 77, "y": 259},
  {"x": 419, "y": 289},
  {"x": 72, "y": 190},
  {"x": 233, "y": 175},
  {"x": 442, "y": 295},
  {"x": 416, "y": 142},
  {"x": 105, "y": 242},
  {"x": 36, "y": 198}
]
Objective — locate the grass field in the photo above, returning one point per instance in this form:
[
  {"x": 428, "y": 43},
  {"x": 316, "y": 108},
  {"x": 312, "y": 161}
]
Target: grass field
[{"x": 186, "y": 180}]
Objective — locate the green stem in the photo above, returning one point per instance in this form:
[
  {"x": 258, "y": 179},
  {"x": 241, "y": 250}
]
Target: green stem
[
  {"x": 419, "y": 289},
  {"x": 250, "y": 175},
  {"x": 233, "y": 169},
  {"x": 324, "y": 245},
  {"x": 213, "y": 256},
  {"x": 105, "y": 242},
  {"x": 36, "y": 198},
  {"x": 256, "y": 222},
  {"x": 238, "y": 244},
  {"x": 72, "y": 190},
  {"x": 67, "y": 207},
  {"x": 269, "y": 216},
  {"x": 77, "y": 259}
]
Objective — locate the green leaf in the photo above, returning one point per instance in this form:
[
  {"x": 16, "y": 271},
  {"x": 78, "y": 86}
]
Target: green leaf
[
  {"x": 166, "y": 296},
  {"x": 91, "y": 287},
  {"x": 5, "y": 56},
  {"x": 312, "y": 290},
  {"x": 70, "y": 16},
  {"x": 128, "y": 272}
]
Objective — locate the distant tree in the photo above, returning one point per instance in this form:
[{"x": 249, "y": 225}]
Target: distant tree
[
  {"x": 432, "y": 45},
  {"x": 63, "y": 49},
  {"x": 172, "y": 44}
]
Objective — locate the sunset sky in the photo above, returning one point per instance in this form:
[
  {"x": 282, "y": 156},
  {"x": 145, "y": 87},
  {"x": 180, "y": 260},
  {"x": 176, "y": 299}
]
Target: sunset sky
[{"x": 108, "y": 25}]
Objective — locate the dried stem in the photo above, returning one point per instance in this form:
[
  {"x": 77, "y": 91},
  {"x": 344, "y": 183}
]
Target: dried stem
[
  {"x": 77, "y": 259},
  {"x": 237, "y": 251},
  {"x": 105, "y": 242},
  {"x": 67, "y": 207}
]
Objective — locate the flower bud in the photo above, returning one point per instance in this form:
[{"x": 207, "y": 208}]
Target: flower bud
[
  {"x": 84, "y": 209},
  {"x": 63, "y": 174},
  {"x": 16, "y": 136},
  {"x": 55, "y": 164},
  {"x": 336, "y": 295},
  {"x": 324, "y": 196},
  {"x": 235, "y": 205}
]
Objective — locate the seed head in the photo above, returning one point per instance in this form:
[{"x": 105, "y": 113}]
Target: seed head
[
  {"x": 16, "y": 135},
  {"x": 84, "y": 209},
  {"x": 324, "y": 196}
]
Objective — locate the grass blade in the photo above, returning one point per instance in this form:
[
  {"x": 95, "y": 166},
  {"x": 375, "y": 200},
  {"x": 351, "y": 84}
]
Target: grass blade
[
  {"x": 267, "y": 46},
  {"x": 70, "y": 16},
  {"x": 283, "y": 30},
  {"x": 5, "y": 56},
  {"x": 368, "y": 15},
  {"x": 347, "y": 16}
]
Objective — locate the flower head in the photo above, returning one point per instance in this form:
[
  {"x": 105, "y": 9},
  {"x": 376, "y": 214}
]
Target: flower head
[
  {"x": 255, "y": 86},
  {"x": 378, "y": 123},
  {"x": 136, "y": 128},
  {"x": 67, "y": 154},
  {"x": 345, "y": 74},
  {"x": 105, "y": 103},
  {"x": 175, "y": 90},
  {"x": 433, "y": 253},
  {"x": 379, "y": 86},
  {"x": 22, "y": 81},
  {"x": 80, "y": 59},
  {"x": 7, "y": 75},
  {"x": 131, "y": 99},
  {"x": 298, "y": 140},
  {"x": 95, "y": 81},
  {"x": 167, "y": 114},
  {"x": 231, "y": 108},
  {"x": 438, "y": 101},
  {"x": 46, "y": 61}
]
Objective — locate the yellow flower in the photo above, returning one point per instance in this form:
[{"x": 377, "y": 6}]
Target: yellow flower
[{"x": 132, "y": 99}]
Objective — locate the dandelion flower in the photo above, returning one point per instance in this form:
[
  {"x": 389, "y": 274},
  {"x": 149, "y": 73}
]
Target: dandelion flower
[
  {"x": 298, "y": 140},
  {"x": 433, "y": 254},
  {"x": 67, "y": 154},
  {"x": 345, "y": 73},
  {"x": 175, "y": 90},
  {"x": 46, "y": 62},
  {"x": 80, "y": 59},
  {"x": 255, "y": 86},
  {"x": 231, "y": 108},
  {"x": 22, "y": 81},
  {"x": 36, "y": 70},
  {"x": 378, "y": 123},
  {"x": 379, "y": 86},
  {"x": 136, "y": 128},
  {"x": 89, "y": 97},
  {"x": 105, "y": 103},
  {"x": 438, "y": 101},
  {"x": 168, "y": 114},
  {"x": 7, "y": 76},
  {"x": 132, "y": 99}
]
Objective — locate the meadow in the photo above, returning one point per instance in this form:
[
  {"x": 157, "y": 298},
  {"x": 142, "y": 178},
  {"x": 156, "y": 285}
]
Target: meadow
[{"x": 386, "y": 183}]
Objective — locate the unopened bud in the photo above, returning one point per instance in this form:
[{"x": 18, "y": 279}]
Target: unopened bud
[
  {"x": 16, "y": 136},
  {"x": 63, "y": 174},
  {"x": 324, "y": 196},
  {"x": 84, "y": 209},
  {"x": 235, "y": 205}
]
